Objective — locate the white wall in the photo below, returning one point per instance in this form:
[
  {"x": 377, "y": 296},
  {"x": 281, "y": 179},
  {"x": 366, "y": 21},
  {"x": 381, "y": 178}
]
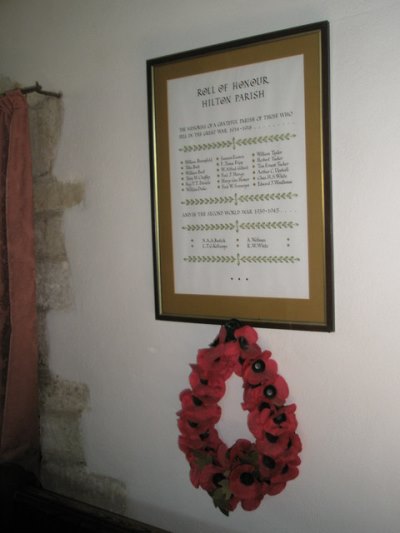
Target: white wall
[{"x": 346, "y": 384}]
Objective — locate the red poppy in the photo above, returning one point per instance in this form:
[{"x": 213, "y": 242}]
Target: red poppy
[
  {"x": 282, "y": 390},
  {"x": 269, "y": 466},
  {"x": 196, "y": 410},
  {"x": 216, "y": 361},
  {"x": 285, "y": 419},
  {"x": 208, "y": 386},
  {"x": 242, "y": 347},
  {"x": 289, "y": 470},
  {"x": 256, "y": 371},
  {"x": 282, "y": 467},
  {"x": 274, "y": 441},
  {"x": 248, "y": 333},
  {"x": 286, "y": 446},
  {"x": 184, "y": 446},
  {"x": 259, "y": 420},
  {"x": 203, "y": 416},
  {"x": 270, "y": 391},
  {"x": 189, "y": 444},
  {"x": 295, "y": 445},
  {"x": 201, "y": 441},
  {"x": 223, "y": 456},
  {"x": 291, "y": 454},
  {"x": 244, "y": 485},
  {"x": 191, "y": 428},
  {"x": 233, "y": 502},
  {"x": 210, "y": 477},
  {"x": 248, "y": 354},
  {"x": 273, "y": 445},
  {"x": 252, "y": 397},
  {"x": 251, "y": 505},
  {"x": 274, "y": 430},
  {"x": 272, "y": 489},
  {"x": 240, "y": 451}
]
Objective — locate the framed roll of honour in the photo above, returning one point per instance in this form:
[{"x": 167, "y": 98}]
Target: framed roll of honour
[{"x": 240, "y": 165}]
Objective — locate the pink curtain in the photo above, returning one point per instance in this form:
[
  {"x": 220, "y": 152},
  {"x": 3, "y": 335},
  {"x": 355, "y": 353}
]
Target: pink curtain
[{"x": 19, "y": 419}]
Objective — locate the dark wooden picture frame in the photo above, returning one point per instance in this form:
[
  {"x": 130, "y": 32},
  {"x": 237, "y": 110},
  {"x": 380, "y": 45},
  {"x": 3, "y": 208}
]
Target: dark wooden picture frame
[{"x": 241, "y": 181}]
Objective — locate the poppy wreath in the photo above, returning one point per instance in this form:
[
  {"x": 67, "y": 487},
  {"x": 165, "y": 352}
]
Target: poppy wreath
[{"x": 247, "y": 471}]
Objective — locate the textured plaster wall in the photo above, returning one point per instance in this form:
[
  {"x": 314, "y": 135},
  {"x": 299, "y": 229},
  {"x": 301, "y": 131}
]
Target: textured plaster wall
[
  {"x": 63, "y": 467},
  {"x": 346, "y": 384}
]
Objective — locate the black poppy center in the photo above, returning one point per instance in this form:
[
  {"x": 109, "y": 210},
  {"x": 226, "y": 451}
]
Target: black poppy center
[
  {"x": 271, "y": 438},
  {"x": 280, "y": 418},
  {"x": 217, "y": 478},
  {"x": 270, "y": 391},
  {"x": 204, "y": 436},
  {"x": 243, "y": 343},
  {"x": 258, "y": 366},
  {"x": 268, "y": 461},
  {"x": 204, "y": 381},
  {"x": 193, "y": 424},
  {"x": 197, "y": 401},
  {"x": 285, "y": 469},
  {"x": 247, "y": 478},
  {"x": 263, "y": 405}
]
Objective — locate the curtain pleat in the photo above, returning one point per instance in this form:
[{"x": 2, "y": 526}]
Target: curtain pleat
[{"x": 19, "y": 420}]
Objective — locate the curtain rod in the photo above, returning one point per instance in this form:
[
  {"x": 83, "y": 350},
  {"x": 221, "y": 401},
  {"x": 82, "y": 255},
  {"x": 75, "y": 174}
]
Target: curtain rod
[{"x": 37, "y": 88}]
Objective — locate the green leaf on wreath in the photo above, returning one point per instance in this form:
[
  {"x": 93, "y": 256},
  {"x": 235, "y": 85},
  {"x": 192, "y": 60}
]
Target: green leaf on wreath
[
  {"x": 221, "y": 497},
  {"x": 202, "y": 459},
  {"x": 223, "y": 508},
  {"x": 226, "y": 491},
  {"x": 251, "y": 458}
]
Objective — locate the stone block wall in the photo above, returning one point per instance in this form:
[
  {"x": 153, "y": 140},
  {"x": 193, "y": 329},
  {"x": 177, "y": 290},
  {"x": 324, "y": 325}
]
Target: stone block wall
[{"x": 62, "y": 402}]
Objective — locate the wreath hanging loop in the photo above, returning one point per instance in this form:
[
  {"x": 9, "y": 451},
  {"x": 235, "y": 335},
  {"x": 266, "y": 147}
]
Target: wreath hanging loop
[{"x": 247, "y": 471}]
